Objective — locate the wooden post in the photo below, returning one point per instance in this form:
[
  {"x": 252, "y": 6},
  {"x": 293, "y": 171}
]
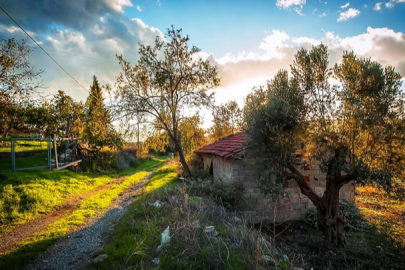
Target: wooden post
[
  {"x": 55, "y": 147},
  {"x": 49, "y": 153},
  {"x": 12, "y": 155}
]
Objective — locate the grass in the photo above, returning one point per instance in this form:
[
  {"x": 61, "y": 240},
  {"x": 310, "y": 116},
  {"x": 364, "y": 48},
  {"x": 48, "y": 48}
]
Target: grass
[
  {"x": 24, "y": 146},
  {"x": 135, "y": 240},
  {"x": 379, "y": 244},
  {"x": 25, "y": 195},
  {"x": 89, "y": 207},
  {"x": 384, "y": 213}
]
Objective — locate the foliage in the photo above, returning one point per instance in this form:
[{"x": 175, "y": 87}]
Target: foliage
[
  {"x": 354, "y": 129},
  {"x": 165, "y": 82},
  {"x": 227, "y": 120},
  {"x": 227, "y": 194},
  {"x": 17, "y": 81},
  {"x": 354, "y": 220}
]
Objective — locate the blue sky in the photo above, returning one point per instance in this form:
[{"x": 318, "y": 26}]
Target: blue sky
[{"x": 249, "y": 41}]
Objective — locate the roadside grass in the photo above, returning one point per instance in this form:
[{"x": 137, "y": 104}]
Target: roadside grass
[
  {"x": 25, "y": 195},
  {"x": 89, "y": 207},
  {"x": 136, "y": 239},
  {"x": 384, "y": 213}
]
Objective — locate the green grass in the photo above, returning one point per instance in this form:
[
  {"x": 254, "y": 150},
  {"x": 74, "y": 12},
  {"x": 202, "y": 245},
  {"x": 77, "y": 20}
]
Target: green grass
[
  {"x": 23, "y": 146},
  {"x": 136, "y": 238},
  {"x": 94, "y": 205},
  {"x": 134, "y": 234},
  {"x": 25, "y": 195}
]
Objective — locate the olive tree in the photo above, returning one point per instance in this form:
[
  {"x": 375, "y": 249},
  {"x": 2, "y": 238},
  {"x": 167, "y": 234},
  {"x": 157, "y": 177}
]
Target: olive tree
[
  {"x": 168, "y": 79},
  {"x": 354, "y": 129}
]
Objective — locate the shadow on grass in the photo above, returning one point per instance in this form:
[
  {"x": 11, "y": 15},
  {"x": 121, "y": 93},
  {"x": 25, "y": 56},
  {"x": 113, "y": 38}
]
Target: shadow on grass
[
  {"x": 368, "y": 248},
  {"x": 83, "y": 242}
]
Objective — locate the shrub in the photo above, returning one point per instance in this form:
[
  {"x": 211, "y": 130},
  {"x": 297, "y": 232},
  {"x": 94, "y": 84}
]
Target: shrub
[
  {"x": 354, "y": 220},
  {"x": 227, "y": 194}
]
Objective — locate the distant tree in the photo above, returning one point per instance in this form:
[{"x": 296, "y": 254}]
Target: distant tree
[
  {"x": 62, "y": 116},
  {"x": 99, "y": 130},
  {"x": 17, "y": 81},
  {"x": 354, "y": 129},
  {"x": 227, "y": 120},
  {"x": 166, "y": 81}
]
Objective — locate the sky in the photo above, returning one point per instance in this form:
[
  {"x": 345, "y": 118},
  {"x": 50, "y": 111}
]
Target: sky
[{"x": 248, "y": 40}]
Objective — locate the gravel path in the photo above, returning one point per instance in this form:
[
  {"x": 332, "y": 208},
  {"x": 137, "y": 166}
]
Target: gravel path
[{"x": 78, "y": 249}]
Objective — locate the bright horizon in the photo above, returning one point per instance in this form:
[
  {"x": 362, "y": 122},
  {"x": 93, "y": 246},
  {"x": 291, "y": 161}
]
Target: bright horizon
[{"x": 249, "y": 41}]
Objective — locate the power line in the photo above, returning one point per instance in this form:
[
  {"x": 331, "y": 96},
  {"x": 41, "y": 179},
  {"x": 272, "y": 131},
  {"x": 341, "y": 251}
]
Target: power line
[{"x": 50, "y": 56}]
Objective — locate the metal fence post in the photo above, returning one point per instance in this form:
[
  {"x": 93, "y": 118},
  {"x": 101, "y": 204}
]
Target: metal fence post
[
  {"x": 49, "y": 153},
  {"x": 12, "y": 155}
]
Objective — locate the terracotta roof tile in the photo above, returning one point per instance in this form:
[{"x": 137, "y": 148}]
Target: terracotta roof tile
[{"x": 228, "y": 147}]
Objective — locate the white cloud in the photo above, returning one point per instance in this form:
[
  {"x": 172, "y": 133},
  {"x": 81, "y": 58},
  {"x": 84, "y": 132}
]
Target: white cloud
[
  {"x": 323, "y": 14},
  {"x": 299, "y": 11},
  {"x": 348, "y": 14},
  {"x": 345, "y": 6},
  {"x": 377, "y": 6},
  {"x": 288, "y": 3},
  {"x": 119, "y": 5},
  {"x": 392, "y": 3},
  {"x": 381, "y": 44},
  {"x": 138, "y": 8}
]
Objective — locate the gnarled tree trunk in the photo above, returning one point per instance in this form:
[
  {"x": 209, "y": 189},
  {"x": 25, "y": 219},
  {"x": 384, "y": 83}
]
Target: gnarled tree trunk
[{"x": 331, "y": 218}]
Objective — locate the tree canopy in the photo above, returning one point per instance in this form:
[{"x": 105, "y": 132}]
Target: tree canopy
[
  {"x": 353, "y": 128},
  {"x": 227, "y": 120},
  {"x": 168, "y": 80}
]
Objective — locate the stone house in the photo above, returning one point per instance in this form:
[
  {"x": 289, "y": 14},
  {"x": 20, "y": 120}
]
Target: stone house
[{"x": 225, "y": 161}]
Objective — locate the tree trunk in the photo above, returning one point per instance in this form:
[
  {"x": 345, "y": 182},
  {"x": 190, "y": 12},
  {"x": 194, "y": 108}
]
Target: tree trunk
[
  {"x": 5, "y": 133},
  {"x": 183, "y": 159},
  {"x": 331, "y": 218}
]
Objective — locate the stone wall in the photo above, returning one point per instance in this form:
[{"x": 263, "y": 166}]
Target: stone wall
[{"x": 260, "y": 208}]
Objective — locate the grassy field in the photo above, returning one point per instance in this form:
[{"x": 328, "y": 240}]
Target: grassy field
[
  {"x": 24, "y": 146},
  {"x": 64, "y": 184},
  {"x": 25, "y": 195}
]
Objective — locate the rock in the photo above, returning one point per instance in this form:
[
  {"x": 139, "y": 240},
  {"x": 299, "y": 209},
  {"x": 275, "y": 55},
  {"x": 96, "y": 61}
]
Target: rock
[
  {"x": 97, "y": 252},
  {"x": 156, "y": 261},
  {"x": 276, "y": 252},
  {"x": 210, "y": 231},
  {"x": 100, "y": 258},
  {"x": 267, "y": 260},
  {"x": 197, "y": 224},
  {"x": 45, "y": 261},
  {"x": 236, "y": 220}
]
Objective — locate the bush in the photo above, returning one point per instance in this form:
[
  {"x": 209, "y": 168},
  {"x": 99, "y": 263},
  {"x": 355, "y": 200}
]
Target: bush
[
  {"x": 227, "y": 194},
  {"x": 354, "y": 220},
  {"x": 197, "y": 168}
]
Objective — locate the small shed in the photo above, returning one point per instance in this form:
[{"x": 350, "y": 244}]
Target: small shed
[{"x": 226, "y": 162}]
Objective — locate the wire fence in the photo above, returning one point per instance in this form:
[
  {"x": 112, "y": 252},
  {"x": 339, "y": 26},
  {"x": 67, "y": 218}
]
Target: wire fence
[{"x": 37, "y": 153}]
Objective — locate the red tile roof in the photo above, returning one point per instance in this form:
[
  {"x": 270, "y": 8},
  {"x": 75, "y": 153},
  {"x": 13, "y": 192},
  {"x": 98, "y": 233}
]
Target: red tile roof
[{"x": 228, "y": 147}]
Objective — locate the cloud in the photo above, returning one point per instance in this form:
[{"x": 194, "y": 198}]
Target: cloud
[
  {"x": 345, "y": 6},
  {"x": 392, "y": 3},
  {"x": 83, "y": 36},
  {"x": 299, "y": 11},
  {"x": 383, "y": 45},
  {"x": 323, "y": 14},
  {"x": 284, "y": 4},
  {"x": 138, "y": 8},
  {"x": 377, "y": 6},
  {"x": 348, "y": 14}
]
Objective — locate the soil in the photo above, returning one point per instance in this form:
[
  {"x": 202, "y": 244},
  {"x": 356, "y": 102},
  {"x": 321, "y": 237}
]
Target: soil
[{"x": 76, "y": 250}]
